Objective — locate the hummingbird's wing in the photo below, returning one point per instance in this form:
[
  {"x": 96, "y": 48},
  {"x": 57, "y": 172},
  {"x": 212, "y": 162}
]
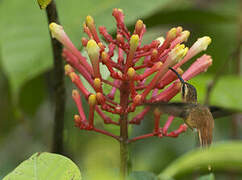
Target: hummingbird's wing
[
  {"x": 177, "y": 109},
  {"x": 218, "y": 112}
]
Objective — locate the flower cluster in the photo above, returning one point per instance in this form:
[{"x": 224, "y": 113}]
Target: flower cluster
[{"x": 140, "y": 72}]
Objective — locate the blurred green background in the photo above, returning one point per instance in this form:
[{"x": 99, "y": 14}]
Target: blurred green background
[{"x": 26, "y": 111}]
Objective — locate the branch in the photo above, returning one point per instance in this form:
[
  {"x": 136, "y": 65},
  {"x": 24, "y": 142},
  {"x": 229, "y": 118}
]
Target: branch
[{"x": 58, "y": 84}]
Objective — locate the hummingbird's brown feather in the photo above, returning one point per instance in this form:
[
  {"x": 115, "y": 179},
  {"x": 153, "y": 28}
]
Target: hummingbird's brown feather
[{"x": 201, "y": 118}]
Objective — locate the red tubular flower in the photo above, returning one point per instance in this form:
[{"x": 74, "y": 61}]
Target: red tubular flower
[{"x": 139, "y": 73}]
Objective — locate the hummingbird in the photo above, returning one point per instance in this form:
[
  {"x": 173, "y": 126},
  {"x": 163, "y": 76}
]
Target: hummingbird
[{"x": 195, "y": 115}]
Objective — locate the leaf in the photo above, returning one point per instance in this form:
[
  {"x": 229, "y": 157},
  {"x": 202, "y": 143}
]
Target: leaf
[
  {"x": 43, "y": 3},
  {"x": 26, "y": 52},
  {"x": 207, "y": 177},
  {"x": 223, "y": 156},
  {"x": 142, "y": 175},
  {"x": 25, "y": 41},
  {"x": 45, "y": 166}
]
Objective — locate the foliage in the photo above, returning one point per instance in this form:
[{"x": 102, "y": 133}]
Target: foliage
[{"x": 45, "y": 166}]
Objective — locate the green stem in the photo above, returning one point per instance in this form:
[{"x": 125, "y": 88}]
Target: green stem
[
  {"x": 58, "y": 84},
  {"x": 124, "y": 152}
]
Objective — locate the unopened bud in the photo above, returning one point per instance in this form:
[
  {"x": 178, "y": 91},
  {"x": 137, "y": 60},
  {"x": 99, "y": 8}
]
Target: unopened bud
[
  {"x": 75, "y": 94},
  {"x": 68, "y": 69},
  {"x": 134, "y": 41},
  {"x": 73, "y": 76},
  {"x": 179, "y": 30},
  {"x": 178, "y": 53},
  {"x": 120, "y": 38},
  {"x": 131, "y": 73},
  {"x": 57, "y": 31},
  {"x": 97, "y": 84},
  {"x": 158, "y": 65},
  {"x": 154, "y": 55},
  {"x": 139, "y": 26},
  {"x": 101, "y": 46},
  {"x": 92, "y": 100},
  {"x": 104, "y": 57},
  {"x": 93, "y": 52},
  {"x": 89, "y": 21},
  {"x": 184, "y": 36},
  {"x": 77, "y": 119},
  {"x": 100, "y": 98},
  {"x": 161, "y": 40},
  {"x": 137, "y": 99},
  {"x": 171, "y": 34},
  {"x": 201, "y": 44}
]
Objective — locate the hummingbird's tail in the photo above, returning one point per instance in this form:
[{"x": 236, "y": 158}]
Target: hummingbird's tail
[{"x": 205, "y": 136}]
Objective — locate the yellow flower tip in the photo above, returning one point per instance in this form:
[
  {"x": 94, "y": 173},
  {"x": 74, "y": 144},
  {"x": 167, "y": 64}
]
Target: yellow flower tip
[
  {"x": 185, "y": 51},
  {"x": 154, "y": 53},
  {"x": 184, "y": 35},
  {"x": 134, "y": 41},
  {"x": 101, "y": 45},
  {"x": 75, "y": 93},
  {"x": 97, "y": 83},
  {"x": 68, "y": 69},
  {"x": 56, "y": 30},
  {"x": 120, "y": 10},
  {"x": 158, "y": 65},
  {"x": 139, "y": 25},
  {"x": 179, "y": 29},
  {"x": 178, "y": 52},
  {"x": 72, "y": 76},
  {"x": 92, "y": 100},
  {"x": 104, "y": 56},
  {"x": 157, "y": 112},
  {"x": 171, "y": 34},
  {"x": 161, "y": 39},
  {"x": 120, "y": 38},
  {"x": 202, "y": 43},
  {"x": 181, "y": 46},
  {"x": 131, "y": 73},
  {"x": 89, "y": 21},
  {"x": 206, "y": 40},
  {"x": 137, "y": 99},
  {"x": 77, "y": 119},
  {"x": 100, "y": 98},
  {"x": 93, "y": 50}
]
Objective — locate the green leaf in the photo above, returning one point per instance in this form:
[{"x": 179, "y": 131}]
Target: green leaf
[
  {"x": 26, "y": 51},
  {"x": 142, "y": 175},
  {"x": 207, "y": 177},
  {"x": 45, "y": 166},
  {"x": 43, "y": 3},
  {"x": 223, "y": 156}
]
